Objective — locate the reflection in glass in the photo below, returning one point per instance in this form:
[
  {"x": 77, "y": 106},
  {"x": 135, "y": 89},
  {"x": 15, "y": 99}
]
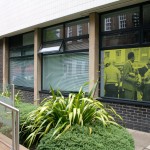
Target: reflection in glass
[
  {"x": 124, "y": 19},
  {"x": 120, "y": 39},
  {"x": 79, "y": 44},
  {"x": 77, "y": 28},
  {"x": 53, "y": 33},
  {"x": 146, "y": 18},
  {"x": 146, "y": 36},
  {"x": 126, "y": 71},
  {"x": 69, "y": 72},
  {"x": 22, "y": 72},
  {"x": 28, "y": 38}
]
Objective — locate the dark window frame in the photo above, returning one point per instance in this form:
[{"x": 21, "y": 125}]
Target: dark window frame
[
  {"x": 141, "y": 43},
  {"x": 19, "y": 49},
  {"x": 64, "y": 39}
]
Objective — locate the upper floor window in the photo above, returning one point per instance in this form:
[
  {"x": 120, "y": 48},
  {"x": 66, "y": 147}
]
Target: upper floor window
[
  {"x": 122, "y": 21},
  {"x": 108, "y": 24}
]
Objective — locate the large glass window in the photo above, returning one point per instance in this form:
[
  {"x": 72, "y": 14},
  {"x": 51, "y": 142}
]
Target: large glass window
[
  {"x": 128, "y": 76},
  {"x": 125, "y": 54},
  {"x": 22, "y": 72},
  {"x": 21, "y": 64},
  {"x": 66, "y": 72},
  {"x": 66, "y": 67}
]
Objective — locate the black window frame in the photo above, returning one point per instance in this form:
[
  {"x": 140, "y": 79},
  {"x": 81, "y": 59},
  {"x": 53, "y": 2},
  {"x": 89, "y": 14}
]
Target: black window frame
[
  {"x": 141, "y": 44},
  {"x": 63, "y": 40},
  {"x": 20, "y": 48}
]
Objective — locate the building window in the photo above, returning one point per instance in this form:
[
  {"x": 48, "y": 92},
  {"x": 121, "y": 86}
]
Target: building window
[
  {"x": 52, "y": 33},
  {"x": 108, "y": 24},
  {"x": 61, "y": 68},
  {"x": 21, "y": 64},
  {"x": 122, "y": 21},
  {"x": 125, "y": 55}
]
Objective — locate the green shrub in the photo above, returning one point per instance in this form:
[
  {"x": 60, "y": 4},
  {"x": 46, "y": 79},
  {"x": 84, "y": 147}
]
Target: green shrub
[
  {"x": 61, "y": 113},
  {"x": 79, "y": 138},
  {"x": 24, "y": 110}
]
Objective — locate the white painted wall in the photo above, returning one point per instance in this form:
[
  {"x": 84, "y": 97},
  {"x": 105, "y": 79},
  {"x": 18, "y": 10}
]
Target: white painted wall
[{"x": 17, "y": 15}]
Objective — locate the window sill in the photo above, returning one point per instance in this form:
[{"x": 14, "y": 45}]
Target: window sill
[{"x": 24, "y": 88}]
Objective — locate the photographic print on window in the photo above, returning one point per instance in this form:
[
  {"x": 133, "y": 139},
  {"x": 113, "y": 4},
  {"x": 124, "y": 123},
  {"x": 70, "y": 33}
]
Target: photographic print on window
[{"x": 125, "y": 73}]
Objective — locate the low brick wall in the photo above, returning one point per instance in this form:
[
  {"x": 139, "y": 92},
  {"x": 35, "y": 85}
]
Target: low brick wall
[
  {"x": 134, "y": 116},
  {"x": 26, "y": 96}
]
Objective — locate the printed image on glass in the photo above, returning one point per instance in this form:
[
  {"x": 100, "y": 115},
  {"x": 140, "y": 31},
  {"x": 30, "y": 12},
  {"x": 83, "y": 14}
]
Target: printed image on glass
[{"x": 125, "y": 73}]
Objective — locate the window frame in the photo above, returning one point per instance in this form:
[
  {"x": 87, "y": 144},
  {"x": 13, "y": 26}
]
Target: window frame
[
  {"x": 141, "y": 44},
  {"x": 22, "y": 56},
  {"x": 108, "y": 24},
  {"x": 122, "y": 21},
  {"x": 64, "y": 51}
]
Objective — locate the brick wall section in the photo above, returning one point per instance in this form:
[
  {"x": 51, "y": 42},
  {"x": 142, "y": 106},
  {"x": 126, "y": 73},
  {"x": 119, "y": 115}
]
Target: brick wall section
[
  {"x": 43, "y": 95},
  {"x": 135, "y": 117},
  {"x": 26, "y": 96},
  {"x": 1, "y": 62}
]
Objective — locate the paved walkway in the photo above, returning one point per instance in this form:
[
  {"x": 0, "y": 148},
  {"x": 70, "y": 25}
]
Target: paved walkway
[
  {"x": 5, "y": 143},
  {"x": 141, "y": 139}
]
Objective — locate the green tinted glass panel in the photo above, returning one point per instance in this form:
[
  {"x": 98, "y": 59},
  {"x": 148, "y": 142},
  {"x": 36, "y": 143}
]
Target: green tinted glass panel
[{"x": 125, "y": 73}]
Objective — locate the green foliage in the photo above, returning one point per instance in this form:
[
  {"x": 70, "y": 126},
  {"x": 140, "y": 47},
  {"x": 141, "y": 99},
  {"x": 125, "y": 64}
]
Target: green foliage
[
  {"x": 24, "y": 110},
  {"x": 78, "y": 138},
  {"x": 17, "y": 98},
  {"x": 7, "y": 93},
  {"x": 61, "y": 113}
]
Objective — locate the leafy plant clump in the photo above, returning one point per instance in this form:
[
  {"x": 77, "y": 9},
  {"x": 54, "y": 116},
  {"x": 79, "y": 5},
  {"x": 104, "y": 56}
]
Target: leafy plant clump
[
  {"x": 24, "y": 110},
  {"x": 78, "y": 138},
  {"x": 60, "y": 113}
]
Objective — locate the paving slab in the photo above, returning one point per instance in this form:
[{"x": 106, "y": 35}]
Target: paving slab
[
  {"x": 5, "y": 143},
  {"x": 141, "y": 139}
]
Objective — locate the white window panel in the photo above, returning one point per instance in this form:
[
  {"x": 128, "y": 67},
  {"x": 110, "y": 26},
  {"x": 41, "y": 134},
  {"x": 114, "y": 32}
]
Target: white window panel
[
  {"x": 108, "y": 24},
  {"x": 122, "y": 21}
]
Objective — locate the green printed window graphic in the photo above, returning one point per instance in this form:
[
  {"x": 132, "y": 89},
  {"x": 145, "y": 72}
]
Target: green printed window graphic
[{"x": 125, "y": 73}]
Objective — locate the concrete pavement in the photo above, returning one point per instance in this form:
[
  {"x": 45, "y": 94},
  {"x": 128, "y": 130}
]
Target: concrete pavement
[{"x": 141, "y": 139}]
